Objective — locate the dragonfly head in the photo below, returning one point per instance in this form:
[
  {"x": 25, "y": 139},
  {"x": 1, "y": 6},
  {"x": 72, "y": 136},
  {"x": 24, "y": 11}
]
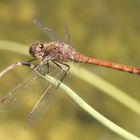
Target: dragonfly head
[{"x": 37, "y": 49}]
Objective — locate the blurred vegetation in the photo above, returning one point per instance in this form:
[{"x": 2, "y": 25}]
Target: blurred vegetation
[{"x": 103, "y": 29}]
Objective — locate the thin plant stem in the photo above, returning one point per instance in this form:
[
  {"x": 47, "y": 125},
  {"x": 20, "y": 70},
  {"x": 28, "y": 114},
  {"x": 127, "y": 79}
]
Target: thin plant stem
[
  {"x": 114, "y": 92},
  {"x": 95, "y": 114}
]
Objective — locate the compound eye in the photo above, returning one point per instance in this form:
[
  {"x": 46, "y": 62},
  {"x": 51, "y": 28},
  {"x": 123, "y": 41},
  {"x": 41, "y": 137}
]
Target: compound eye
[
  {"x": 37, "y": 49},
  {"x": 40, "y": 47}
]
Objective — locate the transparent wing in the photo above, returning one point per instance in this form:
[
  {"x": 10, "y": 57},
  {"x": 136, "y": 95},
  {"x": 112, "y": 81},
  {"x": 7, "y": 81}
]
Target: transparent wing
[
  {"x": 67, "y": 35},
  {"x": 9, "y": 101},
  {"x": 42, "y": 104},
  {"x": 46, "y": 30}
]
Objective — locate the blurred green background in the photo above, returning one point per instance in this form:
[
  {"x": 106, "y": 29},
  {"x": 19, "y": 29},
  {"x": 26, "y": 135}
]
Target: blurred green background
[{"x": 105, "y": 29}]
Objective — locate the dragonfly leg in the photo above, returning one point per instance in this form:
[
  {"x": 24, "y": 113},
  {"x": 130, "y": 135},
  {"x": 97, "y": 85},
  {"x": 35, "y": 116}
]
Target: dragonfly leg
[
  {"x": 58, "y": 64},
  {"x": 32, "y": 66},
  {"x": 43, "y": 69},
  {"x": 15, "y": 65},
  {"x": 32, "y": 60},
  {"x": 48, "y": 67},
  {"x": 65, "y": 71}
]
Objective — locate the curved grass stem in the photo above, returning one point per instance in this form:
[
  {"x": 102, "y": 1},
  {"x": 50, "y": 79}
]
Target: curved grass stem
[{"x": 95, "y": 114}]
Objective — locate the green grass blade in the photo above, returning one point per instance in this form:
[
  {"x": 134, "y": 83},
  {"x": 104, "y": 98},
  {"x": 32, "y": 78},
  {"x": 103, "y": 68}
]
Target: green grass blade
[
  {"x": 95, "y": 114},
  {"x": 108, "y": 88}
]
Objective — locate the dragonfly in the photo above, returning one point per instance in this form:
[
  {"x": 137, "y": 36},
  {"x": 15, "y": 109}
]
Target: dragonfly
[{"x": 59, "y": 53}]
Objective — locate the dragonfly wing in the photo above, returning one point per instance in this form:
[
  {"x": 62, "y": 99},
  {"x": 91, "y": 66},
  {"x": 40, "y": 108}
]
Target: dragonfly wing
[
  {"x": 44, "y": 29},
  {"x": 42, "y": 104},
  {"x": 9, "y": 101},
  {"x": 67, "y": 35},
  {"x": 40, "y": 107}
]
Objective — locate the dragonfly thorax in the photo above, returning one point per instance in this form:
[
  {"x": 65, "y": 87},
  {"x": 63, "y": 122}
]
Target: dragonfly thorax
[{"x": 57, "y": 51}]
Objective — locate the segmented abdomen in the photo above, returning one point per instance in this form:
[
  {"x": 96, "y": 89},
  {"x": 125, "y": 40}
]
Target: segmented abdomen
[{"x": 85, "y": 59}]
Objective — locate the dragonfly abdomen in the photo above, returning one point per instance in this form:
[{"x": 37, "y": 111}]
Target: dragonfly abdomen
[{"x": 85, "y": 59}]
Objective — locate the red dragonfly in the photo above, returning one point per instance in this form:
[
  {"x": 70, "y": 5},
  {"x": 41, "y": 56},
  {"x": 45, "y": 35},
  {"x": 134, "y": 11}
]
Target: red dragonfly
[{"x": 57, "y": 52}]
